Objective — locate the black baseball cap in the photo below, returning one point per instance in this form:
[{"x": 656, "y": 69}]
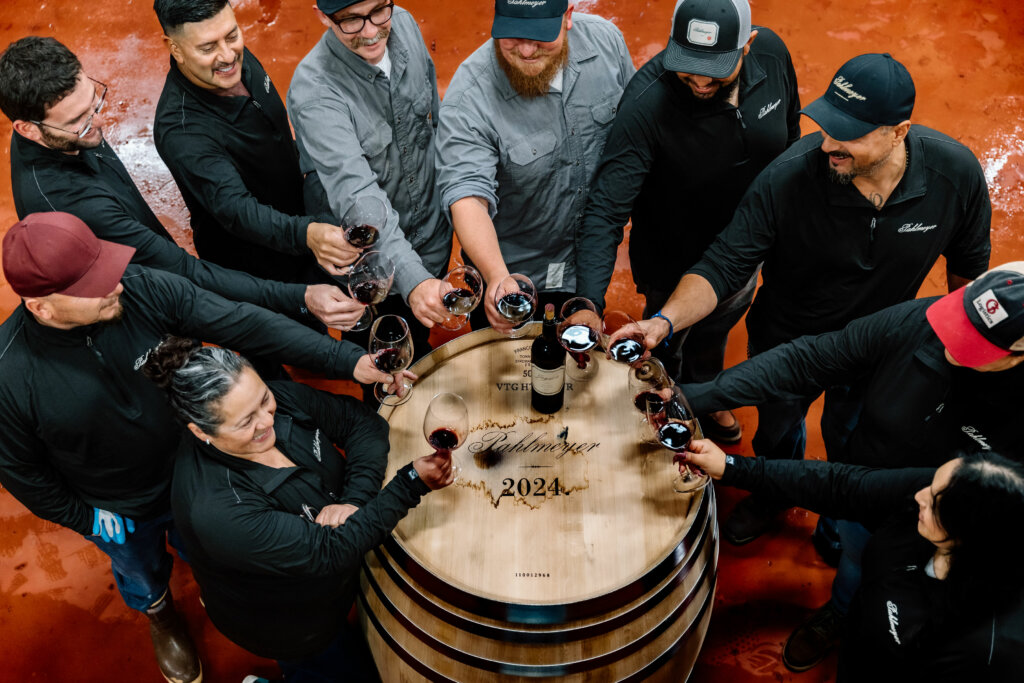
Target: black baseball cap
[
  {"x": 984, "y": 321},
  {"x": 707, "y": 37},
  {"x": 329, "y": 7},
  {"x": 867, "y": 92},
  {"x": 539, "y": 20}
]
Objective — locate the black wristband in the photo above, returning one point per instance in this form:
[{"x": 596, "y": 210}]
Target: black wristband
[{"x": 410, "y": 474}]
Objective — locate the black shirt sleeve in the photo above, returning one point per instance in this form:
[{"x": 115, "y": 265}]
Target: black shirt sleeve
[
  {"x": 203, "y": 168},
  {"x": 861, "y": 494},
  {"x": 968, "y": 253}
]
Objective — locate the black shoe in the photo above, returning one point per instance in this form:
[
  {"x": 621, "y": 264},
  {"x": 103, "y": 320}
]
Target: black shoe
[
  {"x": 749, "y": 519},
  {"x": 826, "y": 542},
  {"x": 716, "y": 432},
  {"x": 813, "y": 640}
]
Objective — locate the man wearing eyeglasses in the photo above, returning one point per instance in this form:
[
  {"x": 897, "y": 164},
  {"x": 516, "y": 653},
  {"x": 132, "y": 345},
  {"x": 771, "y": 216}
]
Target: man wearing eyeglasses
[
  {"x": 364, "y": 106},
  {"x": 60, "y": 162},
  {"x": 522, "y": 127},
  {"x": 222, "y": 130}
]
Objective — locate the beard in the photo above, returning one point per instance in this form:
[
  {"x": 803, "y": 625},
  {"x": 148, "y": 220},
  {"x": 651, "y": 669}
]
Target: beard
[
  {"x": 723, "y": 94},
  {"x": 847, "y": 178},
  {"x": 63, "y": 144},
  {"x": 538, "y": 84}
]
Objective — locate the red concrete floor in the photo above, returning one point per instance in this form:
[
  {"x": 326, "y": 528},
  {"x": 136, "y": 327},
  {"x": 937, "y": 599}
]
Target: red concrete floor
[{"x": 60, "y": 616}]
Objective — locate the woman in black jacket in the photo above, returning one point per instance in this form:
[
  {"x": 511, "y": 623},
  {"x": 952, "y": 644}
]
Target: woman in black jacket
[
  {"x": 275, "y": 522},
  {"x": 942, "y": 588}
]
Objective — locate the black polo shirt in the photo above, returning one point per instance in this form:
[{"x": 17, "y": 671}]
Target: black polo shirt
[
  {"x": 95, "y": 186},
  {"x": 679, "y": 169},
  {"x": 272, "y": 581},
  {"x": 237, "y": 166},
  {"x": 829, "y": 256},
  {"x": 918, "y": 409},
  {"x": 81, "y": 427}
]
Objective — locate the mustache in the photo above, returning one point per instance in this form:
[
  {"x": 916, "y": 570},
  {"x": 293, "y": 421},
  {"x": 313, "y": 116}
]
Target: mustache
[
  {"x": 382, "y": 34},
  {"x": 222, "y": 65},
  {"x": 840, "y": 155}
]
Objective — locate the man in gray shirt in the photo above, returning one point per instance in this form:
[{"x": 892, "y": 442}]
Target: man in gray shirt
[
  {"x": 364, "y": 105},
  {"x": 522, "y": 127}
]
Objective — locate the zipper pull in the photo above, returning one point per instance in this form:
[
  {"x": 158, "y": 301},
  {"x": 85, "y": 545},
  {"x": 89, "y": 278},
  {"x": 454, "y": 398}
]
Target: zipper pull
[
  {"x": 739, "y": 117},
  {"x": 96, "y": 352},
  {"x": 872, "y": 233}
]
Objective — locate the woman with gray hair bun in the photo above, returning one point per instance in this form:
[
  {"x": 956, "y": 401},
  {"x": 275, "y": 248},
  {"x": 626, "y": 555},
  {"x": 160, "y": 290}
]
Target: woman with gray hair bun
[{"x": 274, "y": 520}]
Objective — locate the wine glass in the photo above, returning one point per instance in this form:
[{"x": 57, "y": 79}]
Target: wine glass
[
  {"x": 445, "y": 426},
  {"x": 674, "y": 426},
  {"x": 629, "y": 345},
  {"x": 391, "y": 348},
  {"x": 515, "y": 298},
  {"x": 364, "y": 220},
  {"x": 578, "y": 333},
  {"x": 369, "y": 282},
  {"x": 460, "y": 292},
  {"x": 647, "y": 379}
]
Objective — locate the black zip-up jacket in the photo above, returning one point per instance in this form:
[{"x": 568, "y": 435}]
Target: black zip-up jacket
[
  {"x": 680, "y": 169},
  {"x": 81, "y": 427},
  {"x": 95, "y": 186},
  {"x": 237, "y": 167},
  {"x": 829, "y": 256},
  {"x": 917, "y": 407},
  {"x": 896, "y": 629},
  {"x": 272, "y": 581}
]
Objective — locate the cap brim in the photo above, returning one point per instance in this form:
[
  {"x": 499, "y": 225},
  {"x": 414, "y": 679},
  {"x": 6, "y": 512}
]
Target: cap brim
[
  {"x": 838, "y": 125},
  {"x": 329, "y": 7},
  {"x": 543, "y": 30},
  {"x": 956, "y": 332},
  {"x": 712, "y": 65},
  {"x": 105, "y": 273}
]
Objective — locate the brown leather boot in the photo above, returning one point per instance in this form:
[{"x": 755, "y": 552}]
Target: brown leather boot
[{"x": 175, "y": 652}]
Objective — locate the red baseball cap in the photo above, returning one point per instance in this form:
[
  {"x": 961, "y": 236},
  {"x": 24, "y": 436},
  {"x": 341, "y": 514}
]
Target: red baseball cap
[
  {"x": 56, "y": 253},
  {"x": 983, "y": 321}
]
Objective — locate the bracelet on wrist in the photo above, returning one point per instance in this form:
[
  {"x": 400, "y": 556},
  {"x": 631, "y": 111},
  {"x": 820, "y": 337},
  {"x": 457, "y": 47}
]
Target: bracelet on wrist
[{"x": 671, "y": 329}]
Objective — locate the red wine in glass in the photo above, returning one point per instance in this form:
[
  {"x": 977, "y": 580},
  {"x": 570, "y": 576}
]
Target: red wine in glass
[
  {"x": 391, "y": 360},
  {"x": 515, "y": 307},
  {"x": 626, "y": 350},
  {"x": 361, "y": 236},
  {"x": 458, "y": 301},
  {"x": 370, "y": 292},
  {"x": 649, "y": 402},
  {"x": 577, "y": 340},
  {"x": 674, "y": 436},
  {"x": 443, "y": 440}
]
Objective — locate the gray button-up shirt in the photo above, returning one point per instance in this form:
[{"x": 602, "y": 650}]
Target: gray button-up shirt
[
  {"x": 532, "y": 159},
  {"x": 366, "y": 133}
]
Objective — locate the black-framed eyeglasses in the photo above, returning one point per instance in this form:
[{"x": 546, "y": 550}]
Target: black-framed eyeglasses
[
  {"x": 355, "y": 23},
  {"x": 101, "y": 93}
]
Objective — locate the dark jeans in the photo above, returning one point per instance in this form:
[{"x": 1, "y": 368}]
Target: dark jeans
[
  {"x": 346, "y": 660},
  {"x": 142, "y": 565},
  {"x": 697, "y": 353}
]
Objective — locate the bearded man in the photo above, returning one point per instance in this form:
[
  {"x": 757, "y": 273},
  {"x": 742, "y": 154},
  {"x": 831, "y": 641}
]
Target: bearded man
[
  {"x": 522, "y": 127},
  {"x": 716, "y": 95}
]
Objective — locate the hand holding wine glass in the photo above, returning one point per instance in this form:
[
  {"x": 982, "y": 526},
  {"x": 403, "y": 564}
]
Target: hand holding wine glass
[
  {"x": 369, "y": 282},
  {"x": 628, "y": 346},
  {"x": 364, "y": 220},
  {"x": 649, "y": 388},
  {"x": 578, "y": 332},
  {"x": 705, "y": 454},
  {"x": 445, "y": 426},
  {"x": 391, "y": 348},
  {"x": 460, "y": 291},
  {"x": 674, "y": 427},
  {"x": 515, "y": 298}
]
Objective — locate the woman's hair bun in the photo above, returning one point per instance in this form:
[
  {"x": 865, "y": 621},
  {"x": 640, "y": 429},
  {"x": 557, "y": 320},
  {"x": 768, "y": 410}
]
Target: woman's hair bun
[{"x": 167, "y": 358}]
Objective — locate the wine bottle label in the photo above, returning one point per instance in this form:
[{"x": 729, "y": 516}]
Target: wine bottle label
[{"x": 548, "y": 382}]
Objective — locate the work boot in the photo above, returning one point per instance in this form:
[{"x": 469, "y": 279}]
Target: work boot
[
  {"x": 813, "y": 640},
  {"x": 749, "y": 519},
  {"x": 175, "y": 652},
  {"x": 716, "y": 431}
]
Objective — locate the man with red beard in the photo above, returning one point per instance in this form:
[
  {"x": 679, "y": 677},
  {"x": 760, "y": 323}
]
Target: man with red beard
[{"x": 523, "y": 124}]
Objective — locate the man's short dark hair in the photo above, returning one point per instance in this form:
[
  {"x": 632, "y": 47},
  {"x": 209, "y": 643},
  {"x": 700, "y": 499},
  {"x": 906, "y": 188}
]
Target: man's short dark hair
[
  {"x": 172, "y": 14},
  {"x": 35, "y": 74}
]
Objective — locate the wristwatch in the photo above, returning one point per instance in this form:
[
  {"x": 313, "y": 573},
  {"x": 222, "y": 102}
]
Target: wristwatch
[{"x": 410, "y": 473}]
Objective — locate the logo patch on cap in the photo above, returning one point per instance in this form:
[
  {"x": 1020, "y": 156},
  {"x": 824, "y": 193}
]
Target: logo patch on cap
[
  {"x": 702, "y": 32},
  {"x": 846, "y": 87},
  {"x": 989, "y": 309}
]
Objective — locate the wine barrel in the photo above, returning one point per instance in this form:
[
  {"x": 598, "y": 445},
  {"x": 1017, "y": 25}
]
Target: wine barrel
[{"x": 562, "y": 550}]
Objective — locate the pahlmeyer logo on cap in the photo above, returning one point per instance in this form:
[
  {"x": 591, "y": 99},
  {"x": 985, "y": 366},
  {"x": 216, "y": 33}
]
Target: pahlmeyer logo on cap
[
  {"x": 989, "y": 309},
  {"x": 847, "y": 88},
  {"x": 702, "y": 32}
]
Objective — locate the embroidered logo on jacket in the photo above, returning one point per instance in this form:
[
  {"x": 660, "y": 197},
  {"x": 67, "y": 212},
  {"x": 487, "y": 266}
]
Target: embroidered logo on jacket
[
  {"x": 977, "y": 436},
  {"x": 316, "y": 445},
  {"x": 266, "y": 83},
  {"x": 141, "y": 360},
  {"x": 768, "y": 109},
  {"x": 894, "y": 620},
  {"x": 916, "y": 227}
]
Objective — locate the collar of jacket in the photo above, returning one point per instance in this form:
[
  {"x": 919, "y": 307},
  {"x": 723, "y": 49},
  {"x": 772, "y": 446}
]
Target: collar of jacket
[
  {"x": 31, "y": 151},
  {"x": 229, "y": 107},
  {"x": 581, "y": 50},
  {"x": 267, "y": 478},
  {"x": 359, "y": 66},
  {"x": 53, "y": 336},
  {"x": 932, "y": 354},
  {"x": 912, "y": 185}
]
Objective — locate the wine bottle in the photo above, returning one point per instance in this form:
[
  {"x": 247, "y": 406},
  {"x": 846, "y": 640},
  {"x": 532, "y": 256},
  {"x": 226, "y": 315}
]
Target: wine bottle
[{"x": 547, "y": 358}]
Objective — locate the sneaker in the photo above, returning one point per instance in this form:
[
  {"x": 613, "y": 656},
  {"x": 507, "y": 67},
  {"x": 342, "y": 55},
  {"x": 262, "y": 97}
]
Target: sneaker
[
  {"x": 813, "y": 640},
  {"x": 826, "y": 541},
  {"x": 716, "y": 431},
  {"x": 749, "y": 519}
]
